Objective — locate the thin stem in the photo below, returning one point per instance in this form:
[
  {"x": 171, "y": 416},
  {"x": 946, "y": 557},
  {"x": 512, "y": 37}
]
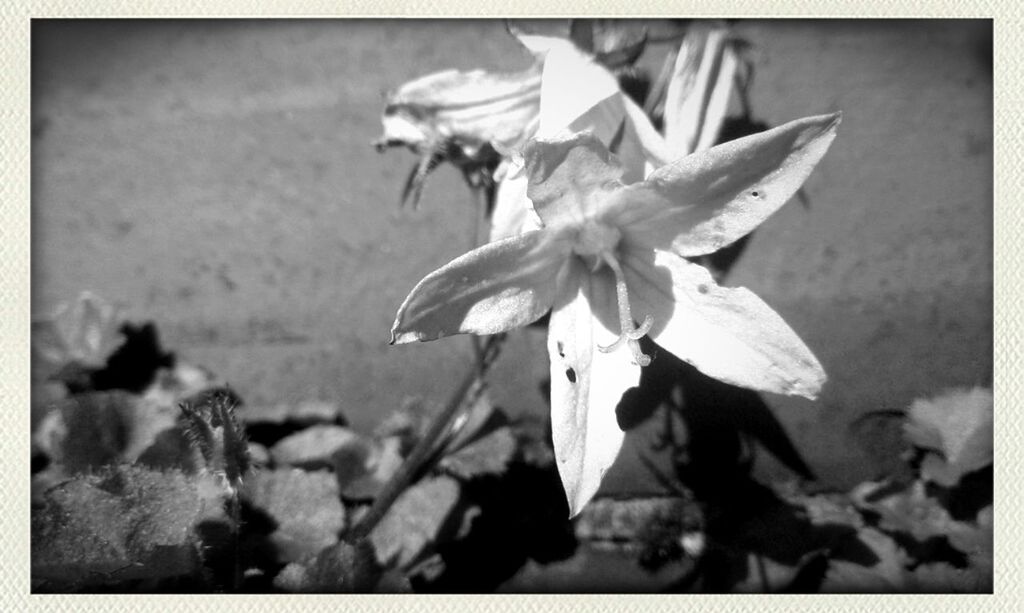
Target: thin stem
[
  {"x": 234, "y": 511},
  {"x": 470, "y": 388}
]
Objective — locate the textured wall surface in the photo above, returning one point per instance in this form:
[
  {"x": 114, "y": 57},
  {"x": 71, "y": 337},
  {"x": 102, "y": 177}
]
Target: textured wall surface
[{"x": 217, "y": 178}]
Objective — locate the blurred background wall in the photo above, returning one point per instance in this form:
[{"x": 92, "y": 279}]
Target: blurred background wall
[{"x": 217, "y": 178}]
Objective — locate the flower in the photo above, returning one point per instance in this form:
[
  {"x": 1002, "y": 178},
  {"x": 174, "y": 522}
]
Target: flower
[
  {"x": 472, "y": 119},
  {"x": 610, "y": 254}
]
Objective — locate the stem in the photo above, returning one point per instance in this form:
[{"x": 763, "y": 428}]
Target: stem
[
  {"x": 468, "y": 389},
  {"x": 234, "y": 511}
]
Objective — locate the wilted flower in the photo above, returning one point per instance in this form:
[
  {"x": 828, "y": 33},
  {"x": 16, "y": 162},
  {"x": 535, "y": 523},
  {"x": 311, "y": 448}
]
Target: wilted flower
[
  {"x": 477, "y": 119},
  {"x": 471, "y": 119},
  {"x": 610, "y": 253}
]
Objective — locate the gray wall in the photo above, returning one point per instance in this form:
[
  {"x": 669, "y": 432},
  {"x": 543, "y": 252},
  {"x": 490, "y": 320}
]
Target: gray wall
[{"x": 216, "y": 177}]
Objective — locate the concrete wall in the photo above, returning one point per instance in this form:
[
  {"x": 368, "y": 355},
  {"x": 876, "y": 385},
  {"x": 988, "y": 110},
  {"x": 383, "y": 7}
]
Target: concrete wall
[{"x": 216, "y": 177}]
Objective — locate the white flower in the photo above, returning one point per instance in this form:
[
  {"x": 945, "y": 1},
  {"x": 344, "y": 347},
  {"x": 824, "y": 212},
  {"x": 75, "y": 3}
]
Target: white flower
[{"x": 610, "y": 252}]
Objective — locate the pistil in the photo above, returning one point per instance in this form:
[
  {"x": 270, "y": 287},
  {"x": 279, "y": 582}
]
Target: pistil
[{"x": 629, "y": 332}]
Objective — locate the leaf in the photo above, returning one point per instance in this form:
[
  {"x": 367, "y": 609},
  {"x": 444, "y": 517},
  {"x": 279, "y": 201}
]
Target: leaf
[
  {"x": 943, "y": 578},
  {"x": 488, "y": 455},
  {"x": 957, "y": 424},
  {"x": 123, "y": 523},
  {"x": 84, "y": 332},
  {"x": 304, "y": 505},
  {"x": 313, "y": 447},
  {"x": 414, "y": 521},
  {"x": 363, "y": 467},
  {"x": 308, "y": 412},
  {"x": 88, "y": 431},
  {"x": 887, "y": 575},
  {"x": 340, "y": 568}
]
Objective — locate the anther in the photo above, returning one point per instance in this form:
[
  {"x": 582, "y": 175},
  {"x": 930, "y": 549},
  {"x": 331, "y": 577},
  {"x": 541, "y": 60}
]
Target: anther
[{"x": 629, "y": 333}]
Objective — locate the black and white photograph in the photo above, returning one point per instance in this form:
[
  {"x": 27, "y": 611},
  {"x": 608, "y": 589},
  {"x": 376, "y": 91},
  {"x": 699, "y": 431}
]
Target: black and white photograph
[{"x": 517, "y": 306}]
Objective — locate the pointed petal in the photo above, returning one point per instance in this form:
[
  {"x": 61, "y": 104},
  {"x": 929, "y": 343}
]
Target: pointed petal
[
  {"x": 586, "y": 384},
  {"x": 491, "y": 289},
  {"x": 726, "y": 333},
  {"x": 707, "y": 200}
]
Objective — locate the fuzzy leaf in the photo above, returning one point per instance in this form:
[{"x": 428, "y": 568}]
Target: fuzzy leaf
[{"x": 123, "y": 523}]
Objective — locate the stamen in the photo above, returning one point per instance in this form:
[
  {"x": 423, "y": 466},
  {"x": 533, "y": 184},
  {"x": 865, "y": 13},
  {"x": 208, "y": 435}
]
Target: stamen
[{"x": 629, "y": 333}]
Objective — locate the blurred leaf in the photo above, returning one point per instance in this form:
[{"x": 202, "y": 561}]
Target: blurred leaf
[
  {"x": 90, "y": 430},
  {"x": 313, "y": 447},
  {"x": 908, "y": 510},
  {"x": 608, "y": 519},
  {"x": 364, "y": 466},
  {"x": 885, "y": 576},
  {"x": 83, "y": 332},
  {"x": 476, "y": 421},
  {"x": 943, "y": 578},
  {"x": 958, "y": 425},
  {"x": 124, "y": 523},
  {"x": 183, "y": 382},
  {"x": 339, "y": 568},
  {"x": 308, "y": 412},
  {"x": 489, "y": 455},
  {"x": 414, "y": 521},
  {"x": 305, "y": 507},
  {"x": 407, "y": 423},
  {"x": 766, "y": 575}
]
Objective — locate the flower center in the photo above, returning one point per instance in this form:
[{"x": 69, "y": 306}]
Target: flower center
[
  {"x": 596, "y": 243},
  {"x": 629, "y": 333}
]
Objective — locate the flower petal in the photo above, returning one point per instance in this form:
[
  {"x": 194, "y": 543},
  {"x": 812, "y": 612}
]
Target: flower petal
[
  {"x": 709, "y": 199},
  {"x": 512, "y": 211},
  {"x": 726, "y": 333},
  {"x": 698, "y": 94},
  {"x": 586, "y": 384},
  {"x": 474, "y": 107},
  {"x": 565, "y": 173},
  {"x": 491, "y": 289},
  {"x": 572, "y": 84}
]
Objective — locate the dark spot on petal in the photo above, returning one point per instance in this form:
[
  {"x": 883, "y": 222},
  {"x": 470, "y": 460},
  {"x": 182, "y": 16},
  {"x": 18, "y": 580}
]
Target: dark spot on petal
[
  {"x": 561, "y": 348},
  {"x": 755, "y": 194},
  {"x": 702, "y": 288},
  {"x": 570, "y": 374}
]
